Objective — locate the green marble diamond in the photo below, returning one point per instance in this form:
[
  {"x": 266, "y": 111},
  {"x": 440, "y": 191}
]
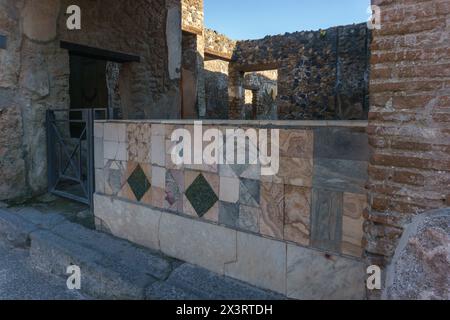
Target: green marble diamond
[
  {"x": 201, "y": 196},
  {"x": 139, "y": 183}
]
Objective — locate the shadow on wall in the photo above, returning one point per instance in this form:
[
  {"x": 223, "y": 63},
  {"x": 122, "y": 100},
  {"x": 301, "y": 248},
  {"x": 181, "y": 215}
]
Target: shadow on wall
[{"x": 216, "y": 95}]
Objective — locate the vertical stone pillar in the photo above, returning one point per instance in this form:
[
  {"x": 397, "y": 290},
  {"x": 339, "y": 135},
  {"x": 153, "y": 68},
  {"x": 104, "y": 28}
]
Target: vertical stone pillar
[
  {"x": 201, "y": 95},
  {"x": 236, "y": 93}
]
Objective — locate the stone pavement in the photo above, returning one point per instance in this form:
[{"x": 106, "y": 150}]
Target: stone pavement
[
  {"x": 20, "y": 281},
  {"x": 39, "y": 246}
]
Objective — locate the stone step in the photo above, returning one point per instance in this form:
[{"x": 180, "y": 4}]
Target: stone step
[
  {"x": 120, "y": 254},
  {"x": 120, "y": 251},
  {"x": 111, "y": 268},
  {"x": 100, "y": 278},
  {"x": 200, "y": 284},
  {"x": 15, "y": 229}
]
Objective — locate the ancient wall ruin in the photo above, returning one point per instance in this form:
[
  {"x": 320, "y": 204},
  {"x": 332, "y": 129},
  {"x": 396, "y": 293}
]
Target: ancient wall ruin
[
  {"x": 218, "y": 45},
  {"x": 322, "y": 75},
  {"x": 35, "y": 72},
  {"x": 408, "y": 121},
  {"x": 192, "y": 16},
  {"x": 216, "y": 89},
  {"x": 270, "y": 231}
]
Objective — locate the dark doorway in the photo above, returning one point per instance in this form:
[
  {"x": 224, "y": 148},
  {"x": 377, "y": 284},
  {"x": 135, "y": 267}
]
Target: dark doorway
[
  {"x": 87, "y": 87},
  {"x": 94, "y": 95}
]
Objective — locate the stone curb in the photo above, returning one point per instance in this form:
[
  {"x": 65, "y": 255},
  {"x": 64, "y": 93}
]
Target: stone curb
[
  {"x": 15, "y": 229},
  {"x": 112, "y": 268}
]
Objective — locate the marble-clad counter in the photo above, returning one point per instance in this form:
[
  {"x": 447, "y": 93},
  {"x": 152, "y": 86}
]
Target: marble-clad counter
[{"x": 230, "y": 218}]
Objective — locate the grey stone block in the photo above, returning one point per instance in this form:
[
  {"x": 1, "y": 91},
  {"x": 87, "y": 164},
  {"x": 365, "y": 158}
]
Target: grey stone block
[
  {"x": 133, "y": 222},
  {"x": 229, "y": 214},
  {"x": 313, "y": 275},
  {"x": 53, "y": 254},
  {"x": 326, "y": 220},
  {"x": 340, "y": 175},
  {"x": 124, "y": 255},
  {"x": 42, "y": 220},
  {"x": 197, "y": 242},
  {"x": 341, "y": 144},
  {"x": 19, "y": 280},
  {"x": 99, "y": 156},
  {"x": 15, "y": 229},
  {"x": 201, "y": 283},
  {"x": 259, "y": 261},
  {"x": 168, "y": 292}
]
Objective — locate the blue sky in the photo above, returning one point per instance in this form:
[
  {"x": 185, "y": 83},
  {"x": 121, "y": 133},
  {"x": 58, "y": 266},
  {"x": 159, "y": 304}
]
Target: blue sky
[{"x": 254, "y": 19}]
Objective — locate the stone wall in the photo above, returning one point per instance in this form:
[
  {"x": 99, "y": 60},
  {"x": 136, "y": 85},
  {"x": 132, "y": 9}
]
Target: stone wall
[
  {"x": 261, "y": 95},
  {"x": 216, "y": 89},
  {"x": 219, "y": 45},
  {"x": 139, "y": 29},
  {"x": 35, "y": 72},
  {"x": 323, "y": 75},
  {"x": 192, "y": 16},
  {"x": 420, "y": 267},
  {"x": 307, "y": 216},
  {"x": 409, "y": 119}
]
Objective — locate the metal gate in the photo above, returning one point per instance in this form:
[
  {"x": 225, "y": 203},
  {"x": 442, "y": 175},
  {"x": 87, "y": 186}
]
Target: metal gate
[{"x": 70, "y": 152}]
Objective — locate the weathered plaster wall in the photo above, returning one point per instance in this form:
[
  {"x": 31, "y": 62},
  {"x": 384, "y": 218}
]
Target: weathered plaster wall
[
  {"x": 409, "y": 119},
  {"x": 34, "y": 73},
  {"x": 33, "y": 78},
  {"x": 307, "y": 216},
  {"x": 322, "y": 74}
]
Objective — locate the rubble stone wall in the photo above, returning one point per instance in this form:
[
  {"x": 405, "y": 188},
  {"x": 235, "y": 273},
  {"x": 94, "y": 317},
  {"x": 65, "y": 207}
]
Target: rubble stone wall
[
  {"x": 219, "y": 45},
  {"x": 216, "y": 89},
  {"x": 323, "y": 75},
  {"x": 192, "y": 16}
]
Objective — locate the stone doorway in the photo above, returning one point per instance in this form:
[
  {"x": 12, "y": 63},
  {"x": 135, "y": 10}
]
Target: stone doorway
[
  {"x": 261, "y": 91},
  {"x": 87, "y": 87}
]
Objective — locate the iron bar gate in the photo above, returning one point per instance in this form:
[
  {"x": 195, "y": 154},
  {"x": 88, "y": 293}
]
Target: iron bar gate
[{"x": 70, "y": 152}]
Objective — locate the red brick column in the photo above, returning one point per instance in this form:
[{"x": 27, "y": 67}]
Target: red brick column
[{"x": 409, "y": 121}]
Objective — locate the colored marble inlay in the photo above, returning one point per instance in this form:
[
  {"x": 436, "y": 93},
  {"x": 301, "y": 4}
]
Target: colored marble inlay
[
  {"x": 201, "y": 196},
  {"x": 139, "y": 183}
]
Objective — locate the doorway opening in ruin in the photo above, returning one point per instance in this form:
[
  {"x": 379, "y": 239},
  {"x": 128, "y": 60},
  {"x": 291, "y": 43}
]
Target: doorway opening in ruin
[
  {"x": 261, "y": 91},
  {"x": 94, "y": 79},
  {"x": 189, "y": 77},
  {"x": 94, "y": 95},
  {"x": 87, "y": 89},
  {"x": 216, "y": 87}
]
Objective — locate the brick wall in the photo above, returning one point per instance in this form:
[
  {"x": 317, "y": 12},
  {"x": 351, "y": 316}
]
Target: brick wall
[{"x": 409, "y": 120}]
